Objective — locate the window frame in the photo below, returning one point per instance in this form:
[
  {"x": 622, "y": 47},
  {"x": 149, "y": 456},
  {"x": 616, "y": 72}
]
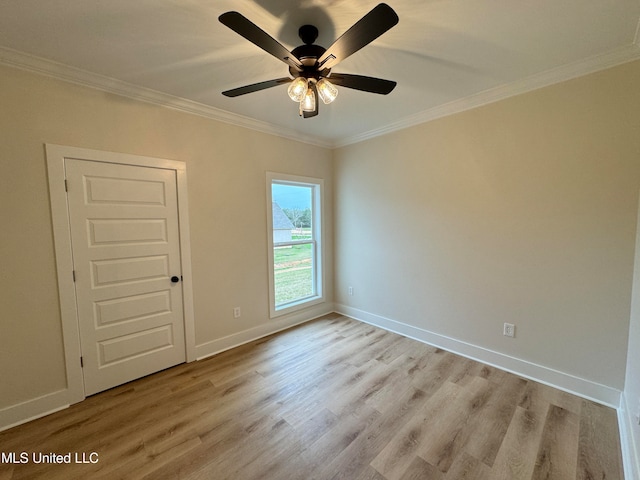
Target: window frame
[{"x": 317, "y": 204}]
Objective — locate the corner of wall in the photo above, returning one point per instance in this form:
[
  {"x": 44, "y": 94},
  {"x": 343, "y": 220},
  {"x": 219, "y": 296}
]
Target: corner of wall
[{"x": 629, "y": 444}]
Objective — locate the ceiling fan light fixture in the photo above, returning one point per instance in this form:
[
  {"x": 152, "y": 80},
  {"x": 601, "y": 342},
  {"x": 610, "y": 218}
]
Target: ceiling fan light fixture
[
  {"x": 298, "y": 89},
  {"x": 308, "y": 103},
  {"x": 326, "y": 90}
]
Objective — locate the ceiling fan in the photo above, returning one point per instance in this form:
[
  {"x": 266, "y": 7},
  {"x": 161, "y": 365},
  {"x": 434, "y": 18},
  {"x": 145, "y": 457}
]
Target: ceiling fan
[{"x": 310, "y": 65}]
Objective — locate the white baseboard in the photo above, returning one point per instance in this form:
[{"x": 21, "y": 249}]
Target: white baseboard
[
  {"x": 629, "y": 443},
  {"x": 579, "y": 386},
  {"x": 32, "y": 409},
  {"x": 269, "y": 327}
]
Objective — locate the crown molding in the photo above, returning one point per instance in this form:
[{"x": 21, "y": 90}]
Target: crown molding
[
  {"x": 59, "y": 71},
  {"x": 77, "y": 76},
  {"x": 544, "y": 79}
]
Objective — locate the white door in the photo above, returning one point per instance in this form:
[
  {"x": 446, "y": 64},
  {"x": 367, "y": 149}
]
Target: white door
[{"x": 126, "y": 256}]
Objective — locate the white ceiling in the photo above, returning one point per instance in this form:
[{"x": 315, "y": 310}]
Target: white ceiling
[{"x": 446, "y": 55}]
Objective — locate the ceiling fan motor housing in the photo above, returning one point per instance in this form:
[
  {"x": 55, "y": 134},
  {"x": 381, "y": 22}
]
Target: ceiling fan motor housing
[{"x": 308, "y": 54}]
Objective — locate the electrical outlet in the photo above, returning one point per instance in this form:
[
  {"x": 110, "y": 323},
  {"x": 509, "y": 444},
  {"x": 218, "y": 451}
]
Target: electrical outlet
[
  {"x": 351, "y": 291},
  {"x": 236, "y": 312},
  {"x": 509, "y": 330}
]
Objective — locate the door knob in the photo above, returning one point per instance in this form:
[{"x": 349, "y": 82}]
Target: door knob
[{"x": 175, "y": 279}]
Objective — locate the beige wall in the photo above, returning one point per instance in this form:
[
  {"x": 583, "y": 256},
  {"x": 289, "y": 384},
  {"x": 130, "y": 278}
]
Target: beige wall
[
  {"x": 226, "y": 168},
  {"x": 522, "y": 211}
]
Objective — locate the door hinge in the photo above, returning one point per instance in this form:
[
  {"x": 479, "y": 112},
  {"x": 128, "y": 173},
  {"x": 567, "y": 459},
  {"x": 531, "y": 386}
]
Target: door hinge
[
  {"x": 74, "y": 275},
  {"x": 66, "y": 186},
  {"x": 81, "y": 362}
]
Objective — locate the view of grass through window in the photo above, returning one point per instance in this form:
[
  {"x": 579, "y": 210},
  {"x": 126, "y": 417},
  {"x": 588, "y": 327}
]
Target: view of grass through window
[{"x": 293, "y": 252}]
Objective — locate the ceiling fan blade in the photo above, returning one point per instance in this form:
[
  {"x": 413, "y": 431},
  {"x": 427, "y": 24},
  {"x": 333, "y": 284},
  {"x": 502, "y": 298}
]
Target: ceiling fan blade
[
  {"x": 363, "y": 32},
  {"x": 359, "y": 82},
  {"x": 255, "y": 87},
  {"x": 249, "y": 30},
  {"x": 315, "y": 111}
]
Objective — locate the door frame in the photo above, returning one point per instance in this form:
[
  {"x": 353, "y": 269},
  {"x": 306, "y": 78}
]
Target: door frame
[{"x": 56, "y": 155}]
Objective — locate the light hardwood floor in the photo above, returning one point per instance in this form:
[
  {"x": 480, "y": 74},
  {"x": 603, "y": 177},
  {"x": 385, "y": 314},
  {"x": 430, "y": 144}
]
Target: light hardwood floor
[{"x": 331, "y": 399}]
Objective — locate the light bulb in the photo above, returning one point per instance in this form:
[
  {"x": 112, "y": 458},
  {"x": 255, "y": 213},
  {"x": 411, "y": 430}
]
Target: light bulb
[
  {"x": 308, "y": 103},
  {"x": 298, "y": 89},
  {"x": 327, "y": 91}
]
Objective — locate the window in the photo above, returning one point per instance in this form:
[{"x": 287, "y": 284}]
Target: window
[{"x": 295, "y": 242}]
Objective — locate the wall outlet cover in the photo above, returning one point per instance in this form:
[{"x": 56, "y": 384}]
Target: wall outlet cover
[{"x": 509, "y": 330}]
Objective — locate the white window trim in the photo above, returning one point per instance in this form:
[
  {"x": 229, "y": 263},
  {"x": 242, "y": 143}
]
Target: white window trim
[{"x": 318, "y": 226}]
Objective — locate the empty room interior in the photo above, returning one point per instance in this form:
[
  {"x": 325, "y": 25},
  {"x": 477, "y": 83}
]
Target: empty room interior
[{"x": 425, "y": 266}]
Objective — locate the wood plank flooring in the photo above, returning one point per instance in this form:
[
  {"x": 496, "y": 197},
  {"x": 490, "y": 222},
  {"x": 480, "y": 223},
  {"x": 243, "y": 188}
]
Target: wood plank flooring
[{"x": 331, "y": 399}]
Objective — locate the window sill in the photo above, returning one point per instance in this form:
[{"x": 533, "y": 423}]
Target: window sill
[{"x": 296, "y": 306}]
